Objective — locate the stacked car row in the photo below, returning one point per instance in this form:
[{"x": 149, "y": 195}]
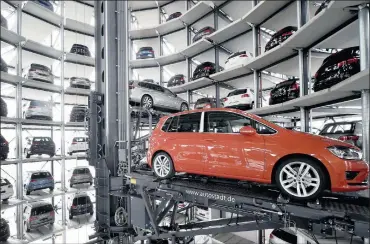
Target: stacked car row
[{"x": 39, "y": 145}]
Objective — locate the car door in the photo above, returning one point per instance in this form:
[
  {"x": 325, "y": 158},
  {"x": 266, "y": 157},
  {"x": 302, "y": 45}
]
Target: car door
[
  {"x": 183, "y": 144},
  {"x": 231, "y": 154},
  {"x": 172, "y": 101},
  {"x": 159, "y": 97}
]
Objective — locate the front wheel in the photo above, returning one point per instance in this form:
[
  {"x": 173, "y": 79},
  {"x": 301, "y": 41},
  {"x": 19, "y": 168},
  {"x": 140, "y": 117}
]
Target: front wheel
[
  {"x": 147, "y": 102},
  {"x": 163, "y": 166},
  {"x": 300, "y": 178},
  {"x": 184, "y": 107}
]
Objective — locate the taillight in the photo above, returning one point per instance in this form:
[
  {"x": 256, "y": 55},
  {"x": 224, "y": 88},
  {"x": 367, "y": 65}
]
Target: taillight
[
  {"x": 207, "y": 31},
  {"x": 182, "y": 79},
  {"x": 245, "y": 95},
  {"x": 208, "y": 68},
  {"x": 243, "y": 55},
  {"x": 207, "y": 106},
  {"x": 225, "y": 99},
  {"x": 74, "y": 142},
  {"x": 287, "y": 33},
  {"x": 50, "y": 178},
  {"x": 74, "y": 207},
  {"x": 316, "y": 75},
  {"x": 295, "y": 86},
  {"x": 352, "y": 60},
  {"x": 52, "y": 213},
  {"x": 32, "y": 218},
  {"x": 152, "y": 51},
  {"x": 131, "y": 86},
  {"x": 31, "y": 107},
  {"x": 33, "y": 180},
  {"x": 271, "y": 236},
  {"x": 349, "y": 138},
  {"x": 5, "y": 142}
]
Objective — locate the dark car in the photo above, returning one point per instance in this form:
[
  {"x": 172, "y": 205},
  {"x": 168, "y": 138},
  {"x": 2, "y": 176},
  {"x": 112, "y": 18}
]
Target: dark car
[
  {"x": 78, "y": 113},
  {"x": 149, "y": 80},
  {"x": 280, "y": 36},
  {"x": 176, "y": 80},
  {"x": 45, "y": 3},
  {"x": 4, "y": 22},
  {"x": 203, "y": 32},
  {"x": 81, "y": 204},
  {"x": 4, "y": 230},
  {"x": 38, "y": 180},
  {"x": 174, "y": 16},
  {"x": 145, "y": 52},
  {"x": 3, "y": 66},
  {"x": 205, "y": 102},
  {"x": 322, "y": 6},
  {"x": 349, "y": 131},
  {"x": 39, "y": 145},
  {"x": 284, "y": 91},
  {"x": 337, "y": 67},
  {"x": 3, "y": 108},
  {"x": 4, "y": 148},
  {"x": 204, "y": 70},
  {"x": 81, "y": 50}
]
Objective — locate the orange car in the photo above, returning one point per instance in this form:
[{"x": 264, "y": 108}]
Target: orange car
[{"x": 230, "y": 143}]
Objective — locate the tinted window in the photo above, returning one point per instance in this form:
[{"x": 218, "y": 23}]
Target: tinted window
[
  {"x": 166, "y": 124},
  {"x": 224, "y": 122},
  {"x": 189, "y": 122},
  {"x": 263, "y": 129},
  {"x": 173, "y": 125},
  {"x": 203, "y": 100},
  {"x": 39, "y": 103},
  {"x": 339, "y": 129},
  {"x": 40, "y": 175},
  {"x": 237, "y": 92},
  {"x": 157, "y": 88},
  {"x": 286, "y": 236},
  {"x": 38, "y": 139},
  {"x": 81, "y": 200},
  {"x": 41, "y": 210}
]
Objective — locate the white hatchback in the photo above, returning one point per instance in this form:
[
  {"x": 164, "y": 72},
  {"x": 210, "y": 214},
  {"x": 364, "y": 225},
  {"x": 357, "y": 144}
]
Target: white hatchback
[
  {"x": 6, "y": 189},
  {"x": 238, "y": 58},
  {"x": 240, "y": 99},
  {"x": 79, "y": 144}
]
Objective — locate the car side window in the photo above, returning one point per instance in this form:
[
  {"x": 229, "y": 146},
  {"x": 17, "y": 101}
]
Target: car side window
[
  {"x": 173, "y": 125},
  {"x": 263, "y": 129},
  {"x": 166, "y": 124},
  {"x": 189, "y": 122},
  {"x": 225, "y": 122}
]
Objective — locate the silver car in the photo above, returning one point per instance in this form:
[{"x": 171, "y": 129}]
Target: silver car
[
  {"x": 38, "y": 72},
  {"x": 37, "y": 214},
  {"x": 81, "y": 175},
  {"x": 150, "y": 95},
  {"x": 35, "y": 109},
  {"x": 349, "y": 132}
]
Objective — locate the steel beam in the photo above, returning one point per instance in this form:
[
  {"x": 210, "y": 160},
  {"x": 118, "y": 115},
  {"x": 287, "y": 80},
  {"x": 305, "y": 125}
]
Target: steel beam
[{"x": 363, "y": 19}]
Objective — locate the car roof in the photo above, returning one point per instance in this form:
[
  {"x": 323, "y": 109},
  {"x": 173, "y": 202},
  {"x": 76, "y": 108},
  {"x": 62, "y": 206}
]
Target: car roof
[
  {"x": 38, "y": 204},
  {"x": 214, "y": 110}
]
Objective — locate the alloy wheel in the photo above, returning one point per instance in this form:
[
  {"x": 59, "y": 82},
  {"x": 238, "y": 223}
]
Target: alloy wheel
[
  {"x": 184, "y": 107},
  {"x": 299, "y": 179},
  {"x": 162, "y": 166},
  {"x": 147, "y": 102}
]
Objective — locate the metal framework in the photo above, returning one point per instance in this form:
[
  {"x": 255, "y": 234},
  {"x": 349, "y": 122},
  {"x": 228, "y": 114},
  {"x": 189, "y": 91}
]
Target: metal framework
[{"x": 132, "y": 205}]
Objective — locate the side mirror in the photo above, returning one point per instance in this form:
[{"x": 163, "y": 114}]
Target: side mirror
[{"x": 247, "y": 130}]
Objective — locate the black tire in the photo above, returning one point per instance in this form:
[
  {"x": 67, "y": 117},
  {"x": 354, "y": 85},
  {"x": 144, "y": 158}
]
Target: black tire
[
  {"x": 51, "y": 188},
  {"x": 150, "y": 102},
  {"x": 71, "y": 185},
  {"x": 28, "y": 193},
  {"x": 70, "y": 216},
  {"x": 171, "y": 172},
  {"x": 70, "y": 153},
  {"x": 315, "y": 166},
  {"x": 52, "y": 155},
  {"x": 252, "y": 105},
  {"x": 184, "y": 107},
  {"x": 27, "y": 154}
]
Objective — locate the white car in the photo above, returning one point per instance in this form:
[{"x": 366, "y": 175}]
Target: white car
[
  {"x": 80, "y": 82},
  {"x": 79, "y": 144},
  {"x": 6, "y": 189},
  {"x": 202, "y": 213},
  {"x": 240, "y": 99},
  {"x": 238, "y": 58},
  {"x": 38, "y": 72},
  {"x": 38, "y": 110}
]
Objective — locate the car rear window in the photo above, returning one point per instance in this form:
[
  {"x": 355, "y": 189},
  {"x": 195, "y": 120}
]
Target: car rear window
[
  {"x": 238, "y": 92},
  {"x": 145, "y": 48},
  {"x": 39, "y": 103},
  {"x": 42, "y": 210},
  {"x": 285, "y": 236},
  {"x": 286, "y": 83},
  {"x": 38, "y": 139},
  {"x": 40, "y": 175},
  {"x": 81, "y": 200},
  {"x": 342, "y": 128},
  {"x": 81, "y": 171},
  {"x": 4, "y": 182},
  {"x": 40, "y": 67},
  {"x": 79, "y": 139},
  {"x": 203, "y": 100}
]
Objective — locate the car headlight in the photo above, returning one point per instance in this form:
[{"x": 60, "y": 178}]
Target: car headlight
[{"x": 346, "y": 152}]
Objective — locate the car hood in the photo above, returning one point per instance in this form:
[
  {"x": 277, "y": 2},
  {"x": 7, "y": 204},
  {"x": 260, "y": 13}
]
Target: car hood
[{"x": 317, "y": 139}]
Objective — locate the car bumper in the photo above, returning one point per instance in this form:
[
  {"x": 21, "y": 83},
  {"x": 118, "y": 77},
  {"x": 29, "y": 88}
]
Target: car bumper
[
  {"x": 360, "y": 182},
  {"x": 144, "y": 56},
  {"x": 38, "y": 114},
  {"x": 35, "y": 226},
  {"x": 74, "y": 181},
  {"x": 81, "y": 211},
  {"x": 80, "y": 84},
  {"x": 34, "y": 76},
  {"x": 42, "y": 151},
  {"x": 39, "y": 187}
]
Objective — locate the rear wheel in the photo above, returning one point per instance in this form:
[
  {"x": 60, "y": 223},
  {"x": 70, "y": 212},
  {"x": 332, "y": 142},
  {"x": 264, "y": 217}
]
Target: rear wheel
[
  {"x": 147, "y": 102},
  {"x": 300, "y": 178},
  {"x": 51, "y": 188},
  {"x": 163, "y": 166},
  {"x": 28, "y": 192}
]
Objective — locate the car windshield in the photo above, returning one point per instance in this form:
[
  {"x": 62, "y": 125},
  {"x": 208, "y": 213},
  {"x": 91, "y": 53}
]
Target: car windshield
[
  {"x": 81, "y": 200},
  {"x": 40, "y": 175},
  {"x": 41, "y": 210},
  {"x": 39, "y": 103}
]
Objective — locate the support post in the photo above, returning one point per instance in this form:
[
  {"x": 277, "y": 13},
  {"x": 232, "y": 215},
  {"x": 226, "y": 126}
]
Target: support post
[
  {"x": 218, "y": 98},
  {"x": 19, "y": 182},
  {"x": 189, "y": 95},
  {"x": 256, "y": 73},
  {"x": 363, "y": 19}
]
